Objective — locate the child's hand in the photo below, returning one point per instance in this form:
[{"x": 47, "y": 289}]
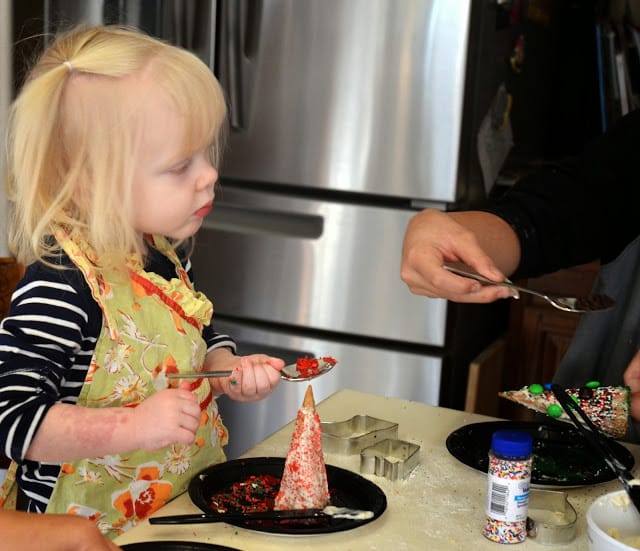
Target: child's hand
[
  {"x": 171, "y": 416},
  {"x": 254, "y": 377}
]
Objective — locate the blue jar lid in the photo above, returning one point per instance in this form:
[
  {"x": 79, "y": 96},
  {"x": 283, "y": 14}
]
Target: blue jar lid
[{"x": 512, "y": 442}]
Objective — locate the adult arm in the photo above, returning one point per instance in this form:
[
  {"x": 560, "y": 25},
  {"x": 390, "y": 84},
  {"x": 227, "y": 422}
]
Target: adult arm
[
  {"x": 562, "y": 215},
  {"x": 578, "y": 210},
  {"x": 481, "y": 240},
  {"x": 33, "y": 532}
]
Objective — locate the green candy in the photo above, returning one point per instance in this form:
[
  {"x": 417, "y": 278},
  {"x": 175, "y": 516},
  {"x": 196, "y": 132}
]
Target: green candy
[
  {"x": 593, "y": 384},
  {"x": 554, "y": 410},
  {"x": 536, "y": 389}
]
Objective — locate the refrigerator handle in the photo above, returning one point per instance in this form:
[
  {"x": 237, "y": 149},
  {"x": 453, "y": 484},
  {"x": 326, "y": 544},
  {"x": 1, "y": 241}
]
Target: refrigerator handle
[
  {"x": 241, "y": 20},
  {"x": 256, "y": 220},
  {"x": 181, "y": 23}
]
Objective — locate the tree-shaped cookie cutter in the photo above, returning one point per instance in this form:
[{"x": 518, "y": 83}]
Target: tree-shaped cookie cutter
[
  {"x": 393, "y": 459},
  {"x": 353, "y": 435}
]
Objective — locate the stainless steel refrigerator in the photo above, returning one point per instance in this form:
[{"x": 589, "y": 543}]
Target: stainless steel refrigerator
[{"x": 346, "y": 117}]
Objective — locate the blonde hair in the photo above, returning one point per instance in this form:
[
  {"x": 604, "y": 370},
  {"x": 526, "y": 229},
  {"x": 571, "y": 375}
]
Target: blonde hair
[{"x": 74, "y": 127}]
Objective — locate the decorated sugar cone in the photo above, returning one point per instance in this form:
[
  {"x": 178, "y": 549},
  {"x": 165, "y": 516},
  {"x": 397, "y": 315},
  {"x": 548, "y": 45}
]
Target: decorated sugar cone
[
  {"x": 309, "y": 401},
  {"x": 608, "y": 407},
  {"x": 304, "y": 480}
]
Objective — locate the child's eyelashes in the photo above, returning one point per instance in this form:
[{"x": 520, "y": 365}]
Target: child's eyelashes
[{"x": 180, "y": 167}]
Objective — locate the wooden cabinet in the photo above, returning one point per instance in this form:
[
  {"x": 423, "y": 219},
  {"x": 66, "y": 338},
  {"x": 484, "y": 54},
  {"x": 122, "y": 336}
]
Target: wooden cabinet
[
  {"x": 10, "y": 274},
  {"x": 539, "y": 334}
]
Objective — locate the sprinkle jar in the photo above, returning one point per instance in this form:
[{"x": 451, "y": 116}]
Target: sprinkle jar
[{"x": 509, "y": 478}]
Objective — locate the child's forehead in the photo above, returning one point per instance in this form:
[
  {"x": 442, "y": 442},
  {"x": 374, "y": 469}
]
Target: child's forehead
[{"x": 151, "y": 100}]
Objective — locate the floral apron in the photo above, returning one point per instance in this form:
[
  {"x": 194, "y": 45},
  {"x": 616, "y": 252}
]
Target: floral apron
[{"x": 151, "y": 327}]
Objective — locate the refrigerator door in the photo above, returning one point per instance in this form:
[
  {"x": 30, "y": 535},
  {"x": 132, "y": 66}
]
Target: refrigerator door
[
  {"x": 189, "y": 24},
  {"x": 319, "y": 264},
  {"x": 359, "y": 95},
  {"x": 382, "y": 371}
]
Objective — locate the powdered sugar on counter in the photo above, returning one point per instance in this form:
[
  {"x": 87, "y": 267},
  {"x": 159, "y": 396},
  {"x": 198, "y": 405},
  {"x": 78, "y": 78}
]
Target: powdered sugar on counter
[{"x": 440, "y": 505}]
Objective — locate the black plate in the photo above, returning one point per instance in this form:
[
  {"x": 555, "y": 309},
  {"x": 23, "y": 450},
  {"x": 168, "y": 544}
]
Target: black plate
[
  {"x": 347, "y": 489},
  {"x": 175, "y": 546},
  {"x": 561, "y": 456}
]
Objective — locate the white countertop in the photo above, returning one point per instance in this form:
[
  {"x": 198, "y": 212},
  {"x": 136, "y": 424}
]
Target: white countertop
[{"x": 439, "y": 506}]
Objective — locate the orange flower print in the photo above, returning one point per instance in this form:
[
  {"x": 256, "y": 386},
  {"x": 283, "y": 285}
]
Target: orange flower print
[
  {"x": 178, "y": 459},
  {"x": 129, "y": 390},
  {"x": 138, "y": 289},
  {"x": 168, "y": 365},
  {"x": 89, "y": 477},
  {"x": 93, "y": 367},
  {"x": 219, "y": 432},
  {"x": 130, "y": 329},
  {"x": 177, "y": 321},
  {"x": 84, "y": 511},
  {"x": 105, "y": 288},
  {"x": 114, "y": 466},
  {"x": 160, "y": 372},
  {"x": 116, "y": 357},
  {"x": 146, "y": 494}
]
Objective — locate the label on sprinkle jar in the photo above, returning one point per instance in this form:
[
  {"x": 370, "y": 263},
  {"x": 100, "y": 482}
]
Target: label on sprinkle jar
[{"x": 507, "y": 500}]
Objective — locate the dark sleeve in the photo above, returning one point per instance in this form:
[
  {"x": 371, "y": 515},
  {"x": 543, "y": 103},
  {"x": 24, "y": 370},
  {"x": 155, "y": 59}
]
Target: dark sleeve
[
  {"x": 581, "y": 209},
  {"x": 46, "y": 343}
]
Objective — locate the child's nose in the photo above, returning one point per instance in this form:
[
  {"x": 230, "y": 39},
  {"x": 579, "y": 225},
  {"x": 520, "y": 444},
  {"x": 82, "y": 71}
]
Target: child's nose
[{"x": 209, "y": 177}]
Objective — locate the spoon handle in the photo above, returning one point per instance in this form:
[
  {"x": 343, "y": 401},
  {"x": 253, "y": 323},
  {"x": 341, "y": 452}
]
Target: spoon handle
[
  {"x": 478, "y": 277},
  {"x": 199, "y": 375}
]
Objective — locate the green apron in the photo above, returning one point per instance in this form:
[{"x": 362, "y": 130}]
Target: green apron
[{"x": 151, "y": 327}]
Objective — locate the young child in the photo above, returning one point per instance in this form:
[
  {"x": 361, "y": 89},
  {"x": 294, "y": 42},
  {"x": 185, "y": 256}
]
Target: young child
[{"x": 113, "y": 143}]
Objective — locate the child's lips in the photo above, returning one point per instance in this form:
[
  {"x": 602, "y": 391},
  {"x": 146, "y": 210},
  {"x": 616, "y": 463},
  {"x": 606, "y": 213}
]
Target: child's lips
[{"x": 204, "y": 211}]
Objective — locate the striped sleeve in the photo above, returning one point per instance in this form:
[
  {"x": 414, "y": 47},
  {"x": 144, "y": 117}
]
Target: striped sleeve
[{"x": 46, "y": 345}]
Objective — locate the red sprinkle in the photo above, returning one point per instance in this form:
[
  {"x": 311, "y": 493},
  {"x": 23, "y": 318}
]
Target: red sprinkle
[
  {"x": 253, "y": 494},
  {"x": 305, "y": 364}
]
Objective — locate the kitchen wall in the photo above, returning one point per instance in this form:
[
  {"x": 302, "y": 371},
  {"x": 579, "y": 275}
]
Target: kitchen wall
[{"x": 5, "y": 95}]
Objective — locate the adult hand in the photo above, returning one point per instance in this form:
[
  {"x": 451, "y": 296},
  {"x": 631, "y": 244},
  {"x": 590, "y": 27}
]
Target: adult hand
[
  {"x": 171, "y": 416},
  {"x": 434, "y": 237},
  {"x": 632, "y": 380}
]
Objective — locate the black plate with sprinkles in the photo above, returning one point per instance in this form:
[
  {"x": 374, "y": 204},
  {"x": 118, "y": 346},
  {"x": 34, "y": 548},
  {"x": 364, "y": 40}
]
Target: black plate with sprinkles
[
  {"x": 561, "y": 456},
  {"x": 346, "y": 488}
]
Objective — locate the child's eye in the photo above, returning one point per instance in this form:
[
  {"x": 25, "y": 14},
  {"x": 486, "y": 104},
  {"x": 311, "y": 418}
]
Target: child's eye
[{"x": 181, "y": 167}]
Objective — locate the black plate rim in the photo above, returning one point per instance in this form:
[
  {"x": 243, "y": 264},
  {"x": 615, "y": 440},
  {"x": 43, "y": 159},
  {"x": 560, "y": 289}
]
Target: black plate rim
[
  {"x": 628, "y": 460},
  {"x": 187, "y": 545},
  {"x": 376, "y": 499}
]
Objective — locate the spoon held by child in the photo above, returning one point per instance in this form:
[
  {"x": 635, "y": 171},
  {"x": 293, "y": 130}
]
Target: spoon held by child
[{"x": 304, "y": 369}]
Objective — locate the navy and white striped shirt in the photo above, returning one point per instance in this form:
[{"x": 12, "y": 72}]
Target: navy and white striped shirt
[{"x": 46, "y": 345}]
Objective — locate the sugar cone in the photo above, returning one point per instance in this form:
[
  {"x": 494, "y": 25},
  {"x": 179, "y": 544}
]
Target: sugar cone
[
  {"x": 304, "y": 481},
  {"x": 309, "y": 401}
]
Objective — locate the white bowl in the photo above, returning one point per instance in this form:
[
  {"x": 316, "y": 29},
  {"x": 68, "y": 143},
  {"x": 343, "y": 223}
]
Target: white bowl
[{"x": 613, "y": 514}]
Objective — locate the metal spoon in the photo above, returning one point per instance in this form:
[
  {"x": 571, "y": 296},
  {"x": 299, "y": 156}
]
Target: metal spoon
[
  {"x": 288, "y": 373},
  {"x": 589, "y": 303}
]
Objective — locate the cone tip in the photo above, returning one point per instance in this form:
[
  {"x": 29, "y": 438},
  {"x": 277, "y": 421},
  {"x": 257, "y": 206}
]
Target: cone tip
[{"x": 309, "y": 401}]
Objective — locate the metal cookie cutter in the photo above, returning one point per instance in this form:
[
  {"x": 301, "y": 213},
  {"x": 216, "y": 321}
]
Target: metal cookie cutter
[
  {"x": 551, "y": 518},
  {"x": 352, "y": 435},
  {"x": 393, "y": 459}
]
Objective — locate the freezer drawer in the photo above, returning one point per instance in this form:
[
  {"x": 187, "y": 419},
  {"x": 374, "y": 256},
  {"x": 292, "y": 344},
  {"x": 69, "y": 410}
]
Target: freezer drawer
[
  {"x": 317, "y": 264},
  {"x": 389, "y": 373}
]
